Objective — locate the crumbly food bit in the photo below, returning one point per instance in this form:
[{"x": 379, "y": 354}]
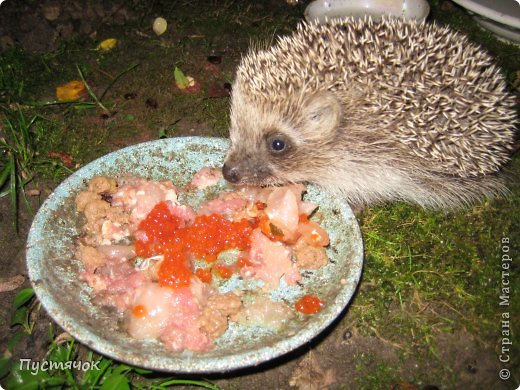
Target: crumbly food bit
[
  {"x": 214, "y": 320},
  {"x": 100, "y": 184},
  {"x": 264, "y": 312},
  {"x": 85, "y": 198},
  {"x": 309, "y": 256},
  {"x": 96, "y": 210},
  {"x": 90, "y": 257}
]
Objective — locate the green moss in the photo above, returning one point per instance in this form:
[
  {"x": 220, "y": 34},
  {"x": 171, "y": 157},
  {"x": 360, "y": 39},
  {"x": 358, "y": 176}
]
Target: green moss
[
  {"x": 428, "y": 272},
  {"x": 374, "y": 374}
]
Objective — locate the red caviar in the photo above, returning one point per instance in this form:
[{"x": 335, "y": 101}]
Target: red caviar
[
  {"x": 223, "y": 271},
  {"x": 174, "y": 270},
  {"x": 260, "y": 205},
  {"x": 160, "y": 226},
  {"x": 243, "y": 261},
  {"x": 204, "y": 274},
  {"x": 209, "y": 235},
  {"x": 140, "y": 311},
  {"x": 303, "y": 218},
  {"x": 309, "y": 304}
]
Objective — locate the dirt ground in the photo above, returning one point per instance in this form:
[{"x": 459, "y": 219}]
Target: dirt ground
[
  {"x": 347, "y": 356},
  {"x": 338, "y": 359}
]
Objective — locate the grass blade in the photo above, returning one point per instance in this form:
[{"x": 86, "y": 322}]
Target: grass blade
[
  {"x": 117, "y": 78},
  {"x": 4, "y": 175},
  {"x": 13, "y": 190},
  {"x": 90, "y": 92}
]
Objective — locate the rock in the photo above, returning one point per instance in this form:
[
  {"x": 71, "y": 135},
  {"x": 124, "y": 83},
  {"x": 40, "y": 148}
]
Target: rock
[
  {"x": 65, "y": 30},
  {"x": 85, "y": 27},
  {"x": 51, "y": 11},
  {"x": 39, "y": 39},
  {"x": 5, "y": 42}
]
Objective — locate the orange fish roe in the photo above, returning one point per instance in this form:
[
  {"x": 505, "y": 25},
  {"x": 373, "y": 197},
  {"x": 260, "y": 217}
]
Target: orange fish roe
[
  {"x": 204, "y": 274},
  {"x": 160, "y": 226},
  {"x": 140, "y": 311},
  {"x": 205, "y": 238},
  {"x": 211, "y": 234},
  {"x": 303, "y": 218},
  {"x": 243, "y": 261},
  {"x": 174, "y": 270},
  {"x": 260, "y": 205},
  {"x": 309, "y": 304},
  {"x": 223, "y": 271}
]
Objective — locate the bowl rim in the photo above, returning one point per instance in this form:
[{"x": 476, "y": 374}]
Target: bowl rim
[
  {"x": 177, "y": 363},
  {"x": 363, "y": 5},
  {"x": 485, "y": 9}
]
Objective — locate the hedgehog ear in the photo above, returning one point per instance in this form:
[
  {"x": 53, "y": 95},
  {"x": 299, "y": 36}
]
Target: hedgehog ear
[{"x": 322, "y": 114}]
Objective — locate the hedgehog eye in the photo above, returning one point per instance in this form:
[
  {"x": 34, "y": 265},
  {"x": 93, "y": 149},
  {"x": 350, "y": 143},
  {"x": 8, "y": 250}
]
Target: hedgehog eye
[{"x": 277, "y": 144}]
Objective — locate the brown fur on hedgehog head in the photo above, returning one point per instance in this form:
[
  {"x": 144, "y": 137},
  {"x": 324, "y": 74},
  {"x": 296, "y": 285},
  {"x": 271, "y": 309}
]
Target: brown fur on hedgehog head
[{"x": 273, "y": 144}]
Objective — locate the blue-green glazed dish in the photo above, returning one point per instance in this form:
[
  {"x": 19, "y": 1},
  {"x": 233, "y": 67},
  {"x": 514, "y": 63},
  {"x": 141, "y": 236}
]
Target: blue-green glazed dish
[{"x": 54, "y": 270}]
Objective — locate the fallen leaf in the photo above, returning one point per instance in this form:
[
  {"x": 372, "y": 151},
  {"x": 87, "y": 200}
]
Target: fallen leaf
[
  {"x": 193, "y": 88},
  {"x": 10, "y": 284},
  {"x": 309, "y": 375},
  {"x": 64, "y": 157},
  {"x": 107, "y": 44},
  {"x": 33, "y": 192},
  {"x": 185, "y": 83},
  {"x": 71, "y": 91},
  {"x": 62, "y": 338}
]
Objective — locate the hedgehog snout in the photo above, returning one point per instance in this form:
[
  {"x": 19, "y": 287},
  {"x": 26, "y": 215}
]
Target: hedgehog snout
[{"x": 231, "y": 173}]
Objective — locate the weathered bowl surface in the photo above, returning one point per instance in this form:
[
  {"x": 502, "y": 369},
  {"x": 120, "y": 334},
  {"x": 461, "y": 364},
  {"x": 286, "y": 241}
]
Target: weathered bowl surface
[
  {"x": 54, "y": 271},
  {"x": 502, "y": 17},
  {"x": 333, "y": 9}
]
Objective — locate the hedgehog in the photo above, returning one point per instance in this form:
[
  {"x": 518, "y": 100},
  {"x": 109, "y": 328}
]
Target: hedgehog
[{"x": 373, "y": 111}]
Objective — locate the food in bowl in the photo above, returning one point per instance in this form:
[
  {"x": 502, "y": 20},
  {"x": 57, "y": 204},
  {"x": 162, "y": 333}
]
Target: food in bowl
[{"x": 159, "y": 263}]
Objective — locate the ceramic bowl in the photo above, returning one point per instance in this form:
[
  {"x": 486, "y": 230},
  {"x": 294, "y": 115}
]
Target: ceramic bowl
[
  {"x": 322, "y": 10},
  {"x": 54, "y": 271},
  {"x": 501, "y": 17}
]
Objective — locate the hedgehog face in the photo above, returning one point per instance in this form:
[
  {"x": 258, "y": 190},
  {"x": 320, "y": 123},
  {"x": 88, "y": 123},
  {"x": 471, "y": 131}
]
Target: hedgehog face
[{"x": 271, "y": 142}]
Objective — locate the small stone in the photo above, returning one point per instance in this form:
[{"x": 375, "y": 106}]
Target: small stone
[
  {"x": 85, "y": 27},
  {"x": 5, "y": 42},
  {"x": 51, "y": 11},
  {"x": 65, "y": 30},
  {"x": 214, "y": 59},
  {"x": 472, "y": 367},
  {"x": 159, "y": 26},
  {"x": 347, "y": 335},
  {"x": 151, "y": 103}
]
